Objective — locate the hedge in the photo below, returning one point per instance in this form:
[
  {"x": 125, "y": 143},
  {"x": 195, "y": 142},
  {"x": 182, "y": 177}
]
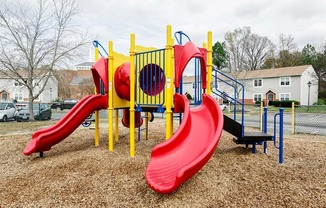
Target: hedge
[{"x": 283, "y": 103}]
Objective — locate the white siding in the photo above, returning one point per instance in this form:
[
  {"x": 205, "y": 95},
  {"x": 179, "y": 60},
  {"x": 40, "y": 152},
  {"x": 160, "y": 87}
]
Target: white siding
[
  {"x": 308, "y": 75},
  {"x": 50, "y": 92},
  {"x": 298, "y": 88}
]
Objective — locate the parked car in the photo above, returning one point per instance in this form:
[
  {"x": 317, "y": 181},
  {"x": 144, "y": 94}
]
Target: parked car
[
  {"x": 41, "y": 111},
  {"x": 223, "y": 107},
  {"x": 55, "y": 105},
  {"x": 8, "y": 110},
  {"x": 67, "y": 103}
]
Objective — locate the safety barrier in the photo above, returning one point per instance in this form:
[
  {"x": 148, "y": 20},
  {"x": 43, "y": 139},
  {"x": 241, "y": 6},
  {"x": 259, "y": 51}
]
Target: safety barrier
[
  {"x": 150, "y": 78},
  {"x": 278, "y": 144},
  {"x": 237, "y": 87}
]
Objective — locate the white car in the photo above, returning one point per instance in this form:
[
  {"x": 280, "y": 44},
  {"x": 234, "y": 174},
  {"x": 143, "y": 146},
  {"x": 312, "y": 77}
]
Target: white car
[
  {"x": 8, "y": 110},
  {"x": 223, "y": 107}
]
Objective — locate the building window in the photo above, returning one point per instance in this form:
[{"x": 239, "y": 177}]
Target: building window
[
  {"x": 17, "y": 84},
  {"x": 257, "y": 97},
  {"x": 4, "y": 95},
  {"x": 258, "y": 83},
  {"x": 285, "y": 81},
  {"x": 284, "y": 96},
  {"x": 19, "y": 96}
]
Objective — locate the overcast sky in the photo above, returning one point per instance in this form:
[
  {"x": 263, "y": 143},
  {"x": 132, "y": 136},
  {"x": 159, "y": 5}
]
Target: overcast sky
[{"x": 116, "y": 19}]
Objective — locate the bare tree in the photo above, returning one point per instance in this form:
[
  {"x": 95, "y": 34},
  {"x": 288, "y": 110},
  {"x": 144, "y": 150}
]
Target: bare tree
[
  {"x": 257, "y": 50},
  {"x": 235, "y": 47},
  {"x": 286, "y": 43},
  {"x": 246, "y": 51},
  {"x": 35, "y": 38},
  {"x": 288, "y": 54}
]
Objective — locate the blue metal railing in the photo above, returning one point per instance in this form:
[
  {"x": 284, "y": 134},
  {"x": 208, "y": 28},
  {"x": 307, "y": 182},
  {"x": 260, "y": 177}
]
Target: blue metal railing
[
  {"x": 233, "y": 83},
  {"x": 180, "y": 33},
  {"x": 96, "y": 44},
  {"x": 281, "y": 132},
  {"x": 278, "y": 145},
  {"x": 150, "y": 78},
  {"x": 198, "y": 83},
  {"x": 264, "y": 127}
]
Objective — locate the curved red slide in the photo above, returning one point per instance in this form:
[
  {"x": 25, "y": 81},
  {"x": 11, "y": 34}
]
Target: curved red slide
[
  {"x": 44, "y": 139},
  {"x": 188, "y": 150}
]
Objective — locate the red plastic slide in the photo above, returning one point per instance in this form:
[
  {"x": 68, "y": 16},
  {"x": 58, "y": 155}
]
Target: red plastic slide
[
  {"x": 188, "y": 150},
  {"x": 44, "y": 139}
]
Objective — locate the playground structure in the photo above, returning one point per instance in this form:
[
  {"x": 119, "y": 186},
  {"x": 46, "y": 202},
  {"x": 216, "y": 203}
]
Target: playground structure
[{"x": 152, "y": 82}]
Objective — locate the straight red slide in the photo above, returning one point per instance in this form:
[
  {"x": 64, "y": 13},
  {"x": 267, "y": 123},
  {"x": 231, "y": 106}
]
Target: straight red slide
[
  {"x": 188, "y": 150},
  {"x": 44, "y": 139}
]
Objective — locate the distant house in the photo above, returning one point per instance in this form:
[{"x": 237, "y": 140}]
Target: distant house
[
  {"x": 188, "y": 85},
  {"x": 82, "y": 83},
  {"x": 75, "y": 83},
  {"x": 11, "y": 89},
  {"x": 192, "y": 86},
  {"x": 288, "y": 83},
  {"x": 84, "y": 66}
]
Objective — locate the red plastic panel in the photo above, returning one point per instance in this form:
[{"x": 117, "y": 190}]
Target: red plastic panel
[
  {"x": 126, "y": 119},
  {"x": 122, "y": 81},
  {"x": 100, "y": 71},
  {"x": 182, "y": 56},
  {"x": 188, "y": 150}
]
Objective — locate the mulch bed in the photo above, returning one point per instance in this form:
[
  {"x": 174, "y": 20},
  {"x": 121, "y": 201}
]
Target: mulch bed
[{"x": 74, "y": 173}]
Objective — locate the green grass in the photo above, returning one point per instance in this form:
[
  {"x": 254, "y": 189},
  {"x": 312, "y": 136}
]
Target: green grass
[
  {"x": 311, "y": 109},
  {"x": 297, "y": 109},
  {"x": 14, "y": 127}
]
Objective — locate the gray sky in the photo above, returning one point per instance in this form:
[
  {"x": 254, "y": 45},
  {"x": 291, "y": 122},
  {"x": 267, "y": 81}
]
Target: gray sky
[{"x": 116, "y": 19}]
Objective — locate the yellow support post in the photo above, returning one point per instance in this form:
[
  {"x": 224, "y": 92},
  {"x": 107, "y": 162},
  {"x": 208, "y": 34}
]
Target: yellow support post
[
  {"x": 110, "y": 106},
  {"x": 292, "y": 122},
  {"x": 116, "y": 125},
  {"x": 169, "y": 83},
  {"x": 132, "y": 53},
  {"x": 209, "y": 62},
  {"x": 96, "y": 139}
]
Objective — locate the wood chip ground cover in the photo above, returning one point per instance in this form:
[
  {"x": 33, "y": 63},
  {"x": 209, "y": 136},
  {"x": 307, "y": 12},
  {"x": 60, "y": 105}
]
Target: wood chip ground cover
[{"x": 74, "y": 173}]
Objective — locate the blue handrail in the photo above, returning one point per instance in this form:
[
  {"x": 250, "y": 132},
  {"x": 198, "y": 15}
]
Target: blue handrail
[
  {"x": 264, "y": 130},
  {"x": 180, "y": 35},
  {"x": 96, "y": 44},
  {"x": 280, "y": 145},
  {"x": 234, "y": 100}
]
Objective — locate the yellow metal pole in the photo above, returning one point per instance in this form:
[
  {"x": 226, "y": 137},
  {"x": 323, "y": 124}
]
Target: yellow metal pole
[
  {"x": 146, "y": 124},
  {"x": 169, "y": 83},
  {"x": 111, "y": 88},
  {"x": 209, "y": 62},
  {"x": 292, "y": 122},
  {"x": 261, "y": 116},
  {"x": 117, "y": 125},
  {"x": 132, "y": 53},
  {"x": 96, "y": 139}
]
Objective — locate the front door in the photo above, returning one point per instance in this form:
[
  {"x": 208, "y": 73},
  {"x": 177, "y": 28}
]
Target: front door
[{"x": 270, "y": 97}]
